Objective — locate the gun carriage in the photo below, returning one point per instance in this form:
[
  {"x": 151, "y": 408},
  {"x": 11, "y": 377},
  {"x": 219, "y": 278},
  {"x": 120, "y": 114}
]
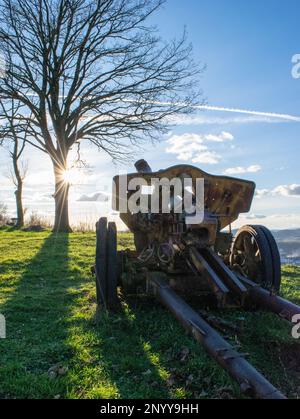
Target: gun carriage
[{"x": 175, "y": 258}]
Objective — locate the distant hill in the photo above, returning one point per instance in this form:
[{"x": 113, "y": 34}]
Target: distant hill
[{"x": 289, "y": 245}]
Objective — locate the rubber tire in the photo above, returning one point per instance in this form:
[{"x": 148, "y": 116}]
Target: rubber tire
[
  {"x": 276, "y": 260},
  {"x": 265, "y": 249},
  {"x": 112, "y": 266},
  {"x": 101, "y": 261}
]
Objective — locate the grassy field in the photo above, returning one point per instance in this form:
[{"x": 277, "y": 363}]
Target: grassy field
[{"x": 58, "y": 347}]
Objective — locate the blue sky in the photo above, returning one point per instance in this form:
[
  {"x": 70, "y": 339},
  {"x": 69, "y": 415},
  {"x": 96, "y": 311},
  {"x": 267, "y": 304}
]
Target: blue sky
[{"x": 247, "y": 47}]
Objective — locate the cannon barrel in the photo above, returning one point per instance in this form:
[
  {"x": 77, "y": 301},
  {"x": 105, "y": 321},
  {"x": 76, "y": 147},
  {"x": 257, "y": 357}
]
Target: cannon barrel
[
  {"x": 284, "y": 308},
  {"x": 217, "y": 270},
  {"x": 250, "y": 380}
]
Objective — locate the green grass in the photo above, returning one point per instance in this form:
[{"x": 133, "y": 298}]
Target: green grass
[{"x": 48, "y": 297}]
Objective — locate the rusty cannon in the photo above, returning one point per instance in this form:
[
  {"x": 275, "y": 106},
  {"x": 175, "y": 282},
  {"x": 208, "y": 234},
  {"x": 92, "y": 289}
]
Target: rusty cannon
[{"x": 177, "y": 255}]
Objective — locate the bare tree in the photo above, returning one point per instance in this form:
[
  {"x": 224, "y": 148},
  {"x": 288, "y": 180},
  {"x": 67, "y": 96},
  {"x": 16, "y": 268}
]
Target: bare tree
[
  {"x": 15, "y": 140},
  {"x": 3, "y": 214},
  {"x": 91, "y": 70}
]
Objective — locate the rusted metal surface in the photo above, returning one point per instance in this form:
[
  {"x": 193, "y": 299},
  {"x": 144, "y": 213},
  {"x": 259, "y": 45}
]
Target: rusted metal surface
[
  {"x": 142, "y": 167},
  {"x": 269, "y": 301},
  {"x": 201, "y": 259},
  {"x": 225, "y": 197},
  {"x": 162, "y": 240},
  {"x": 250, "y": 380},
  {"x": 230, "y": 279},
  {"x": 215, "y": 283}
]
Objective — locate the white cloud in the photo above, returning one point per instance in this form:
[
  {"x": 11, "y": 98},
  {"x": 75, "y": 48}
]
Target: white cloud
[
  {"x": 192, "y": 147},
  {"x": 207, "y": 157},
  {"x": 240, "y": 170},
  {"x": 97, "y": 197},
  {"x": 255, "y": 217},
  {"x": 281, "y": 190},
  {"x": 272, "y": 221},
  {"x": 224, "y": 136},
  {"x": 287, "y": 190},
  {"x": 261, "y": 193}
]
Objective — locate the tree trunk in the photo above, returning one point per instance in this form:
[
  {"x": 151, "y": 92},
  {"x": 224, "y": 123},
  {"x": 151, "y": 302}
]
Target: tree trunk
[
  {"x": 61, "y": 195},
  {"x": 18, "y": 192},
  {"x": 20, "y": 210}
]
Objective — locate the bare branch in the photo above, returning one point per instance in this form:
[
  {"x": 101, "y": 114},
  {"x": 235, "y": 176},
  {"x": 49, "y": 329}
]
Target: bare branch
[{"x": 92, "y": 70}]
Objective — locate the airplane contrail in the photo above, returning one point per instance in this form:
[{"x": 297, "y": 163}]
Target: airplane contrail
[
  {"x": 286, "y": 117},
  {"x": 249, "y": 112}
]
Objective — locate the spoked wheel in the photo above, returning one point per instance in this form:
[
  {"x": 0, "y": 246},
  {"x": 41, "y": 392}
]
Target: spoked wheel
[
  {"x": 255, "y": 255},
  {"x": 106, "y": 266}
]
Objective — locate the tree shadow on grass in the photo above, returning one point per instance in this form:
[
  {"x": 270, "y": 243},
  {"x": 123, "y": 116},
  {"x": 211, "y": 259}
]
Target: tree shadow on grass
[
  {"x": 36, "y": 312},
  {"x": 148, "y": 354},
  {"x": 50, "y": 315},
  {"x": 117, "y": 347},
  {"x": 51, "y": 320}
]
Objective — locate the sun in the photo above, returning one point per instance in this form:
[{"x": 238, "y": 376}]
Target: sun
[{"x": 72, "y": 176}]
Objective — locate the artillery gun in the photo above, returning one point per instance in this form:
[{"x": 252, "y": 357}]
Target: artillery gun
[{"x": 176, "y": 257}]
